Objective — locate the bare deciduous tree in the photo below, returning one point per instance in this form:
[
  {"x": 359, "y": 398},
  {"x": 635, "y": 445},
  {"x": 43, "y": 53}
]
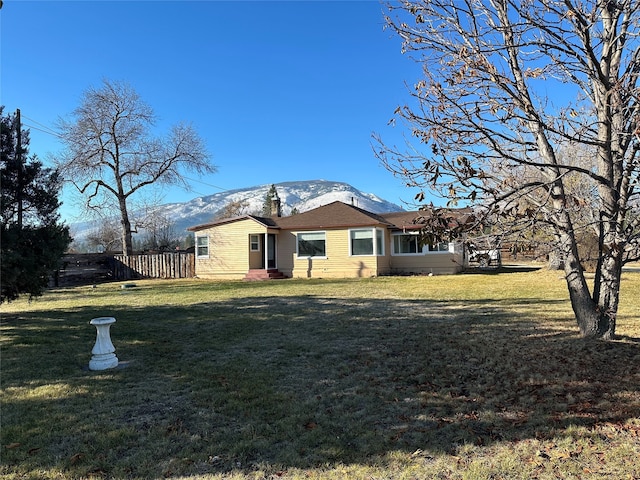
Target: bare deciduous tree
[
  {"x": 104, "y": 238},
  {"x": 234, "y": 208},
  {"x": 506, "y": 84},
  {"x": 159, "y": 231},
  {"x": 111, "y": 152}
]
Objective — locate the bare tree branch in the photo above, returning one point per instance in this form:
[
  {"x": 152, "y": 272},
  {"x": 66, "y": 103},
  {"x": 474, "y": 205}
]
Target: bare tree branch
[
  {"x": 110, "y": 149},
  {"x": 508, "y": 87}
]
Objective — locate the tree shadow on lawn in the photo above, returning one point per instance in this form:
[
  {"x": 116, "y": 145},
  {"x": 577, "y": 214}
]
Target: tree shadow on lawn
[{"x": 283, "y": 382}]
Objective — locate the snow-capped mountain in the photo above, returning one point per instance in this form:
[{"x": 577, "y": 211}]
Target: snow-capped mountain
[{"x": 297, "y": 196}]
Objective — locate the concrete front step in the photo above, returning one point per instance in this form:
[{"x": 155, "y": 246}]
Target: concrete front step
[{"x": 264, "y": 274}]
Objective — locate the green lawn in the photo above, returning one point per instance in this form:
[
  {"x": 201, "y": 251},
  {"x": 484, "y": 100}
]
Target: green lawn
[{"x": 461, "y": 377}]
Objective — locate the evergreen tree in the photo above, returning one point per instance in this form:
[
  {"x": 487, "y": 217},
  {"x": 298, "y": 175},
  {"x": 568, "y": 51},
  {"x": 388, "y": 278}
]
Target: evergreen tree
[
  {"x": 33, "y": 240},
  {"x": 268, "y": 205}
]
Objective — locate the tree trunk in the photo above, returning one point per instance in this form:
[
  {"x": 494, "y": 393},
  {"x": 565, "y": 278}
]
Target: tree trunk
[
  {"x": 556, "y": 261},
  {"x": 127, "y": 240},
  {"x": 581, "y": 302},
  {"x": 608, "y": 300},
  {"x": 596, "y": 316},
  {"x": 607, "y": 291}
]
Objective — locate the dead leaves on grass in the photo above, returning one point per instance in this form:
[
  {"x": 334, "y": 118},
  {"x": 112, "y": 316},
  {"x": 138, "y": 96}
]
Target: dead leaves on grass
[
  {"x": 553, "y": 452},
  {"x": 590, "y": 450},
  {"x": 77, "y": 458},
  {"x": 73, "y": 460},
  {"x": 311, "y": 425},
  {"x": 15, "y": 445}
]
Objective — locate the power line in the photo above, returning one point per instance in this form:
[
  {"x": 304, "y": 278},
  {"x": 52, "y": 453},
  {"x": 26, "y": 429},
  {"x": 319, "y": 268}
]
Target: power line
[
  {"x": 42, "y": 127},
  {"x": 33, "y": 127},
  {"x": 205, "y": 183}
]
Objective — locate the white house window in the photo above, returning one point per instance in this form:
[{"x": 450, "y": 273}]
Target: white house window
[
  {"x": 254, "y": 241},
  {"x": 312, "y": 244},
  {"x": 440, "y": 247},
  {"x": 379, "y": 242},
  {"x": 202, "y": 246},
  {"x": 368, "y": 241},
  {"x": 409, "y": 244},
  {"x": 406, "y": 244}
]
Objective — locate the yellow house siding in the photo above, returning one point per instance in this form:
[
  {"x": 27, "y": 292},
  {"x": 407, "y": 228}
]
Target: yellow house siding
[
  {"x": 384, "y": 261},
  {"x": 228, "y": 250},
  {"x": 230, "y": 256},
  {"x": 336, "y": 264},
  {"x": 285, "y": 245},
  {"x": 437, "y": 263}
]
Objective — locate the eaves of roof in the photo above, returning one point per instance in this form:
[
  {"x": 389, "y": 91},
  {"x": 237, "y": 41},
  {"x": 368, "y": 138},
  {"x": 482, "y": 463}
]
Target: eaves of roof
[
  {"x": 264, "y": 221},
  {"x": 338, "y": 215}
]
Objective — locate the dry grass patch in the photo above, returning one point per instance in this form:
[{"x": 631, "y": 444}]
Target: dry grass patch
[{"x": 473, "y": 376}]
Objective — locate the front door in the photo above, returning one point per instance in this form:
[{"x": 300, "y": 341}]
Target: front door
[{"x": 271, "y": 251}]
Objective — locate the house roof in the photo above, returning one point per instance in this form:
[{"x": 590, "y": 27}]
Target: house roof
[
  {"x": 267, "y": 222},
  {"x": 416, "y": 220},
  {"x": 336, "y": 215},
  {"x": 403, "y": 220}
]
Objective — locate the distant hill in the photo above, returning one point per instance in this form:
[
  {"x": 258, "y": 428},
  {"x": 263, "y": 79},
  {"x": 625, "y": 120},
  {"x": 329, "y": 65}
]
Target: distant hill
[{"x": 299, "y": 195}]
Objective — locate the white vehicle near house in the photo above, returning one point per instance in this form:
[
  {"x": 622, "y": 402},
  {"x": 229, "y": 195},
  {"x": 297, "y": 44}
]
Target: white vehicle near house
[{"x": 485, "y": 258}]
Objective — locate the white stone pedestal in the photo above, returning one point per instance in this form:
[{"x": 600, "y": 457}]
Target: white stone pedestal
[{"x": 103, "y": 351}]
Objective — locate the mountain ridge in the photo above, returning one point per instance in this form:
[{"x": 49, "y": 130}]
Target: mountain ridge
[{"x": 297, "y": 196}]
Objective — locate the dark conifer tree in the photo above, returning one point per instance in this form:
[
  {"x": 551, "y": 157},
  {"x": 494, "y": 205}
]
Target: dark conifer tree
[
  {"x": 268, "y": 207},
  {"x": 33, "y": 239}
]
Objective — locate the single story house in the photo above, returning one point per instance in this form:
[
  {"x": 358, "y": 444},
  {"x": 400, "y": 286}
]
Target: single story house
[{"x": 337, "y": 240}]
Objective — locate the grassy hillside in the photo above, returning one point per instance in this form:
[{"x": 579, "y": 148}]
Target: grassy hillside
[{"x": 461, "y": 377}]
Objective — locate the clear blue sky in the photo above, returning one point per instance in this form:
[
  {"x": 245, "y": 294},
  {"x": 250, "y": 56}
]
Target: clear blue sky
[{"x": 279, "y": 91}]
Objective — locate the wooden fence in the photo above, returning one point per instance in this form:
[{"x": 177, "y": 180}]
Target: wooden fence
[
  {"x": 83, "y": 269},
  {"x": 159, "y": 265}
]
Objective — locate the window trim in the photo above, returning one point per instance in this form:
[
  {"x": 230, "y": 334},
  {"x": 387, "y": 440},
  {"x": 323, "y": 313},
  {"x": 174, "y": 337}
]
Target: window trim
[
  {"x": 255, "y": 244},
  {"x": 419, "y": 248},
  {"x": 198, "y": 246},
  {"x": 378, "y": 243},
  {"x": 450, "y": 246},
  {"x": 302, "y": 257},
  {"x": 423, "y": 250}
]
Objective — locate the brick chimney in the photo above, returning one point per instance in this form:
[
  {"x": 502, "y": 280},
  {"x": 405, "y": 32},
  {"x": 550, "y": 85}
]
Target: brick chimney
[{"x": 276, "y": 207}]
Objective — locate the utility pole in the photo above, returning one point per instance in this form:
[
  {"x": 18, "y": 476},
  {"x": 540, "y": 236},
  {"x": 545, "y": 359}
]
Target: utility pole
[{"x": 20, "y": 166}]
